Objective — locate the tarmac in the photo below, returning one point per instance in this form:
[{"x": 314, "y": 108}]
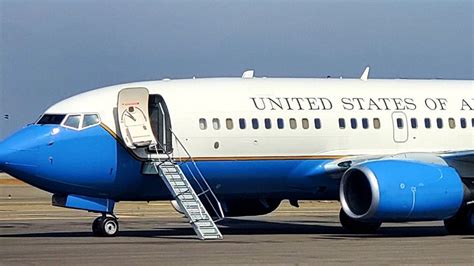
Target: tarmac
[{"x": 32, "y": 232}]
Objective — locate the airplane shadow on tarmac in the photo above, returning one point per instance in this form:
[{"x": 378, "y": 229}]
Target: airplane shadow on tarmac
[{"x": 259, "y": 227}]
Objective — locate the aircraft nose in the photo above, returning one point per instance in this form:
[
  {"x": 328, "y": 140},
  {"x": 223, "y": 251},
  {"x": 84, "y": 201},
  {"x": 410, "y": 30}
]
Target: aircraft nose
[{"x": 18, "y": 152}]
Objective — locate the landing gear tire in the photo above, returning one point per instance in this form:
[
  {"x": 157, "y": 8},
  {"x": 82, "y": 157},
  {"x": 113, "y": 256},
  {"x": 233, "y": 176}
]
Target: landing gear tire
[
  {"x": 358, "y": 227},
  {"x": 462, "y": 223},
  {"x": 96, "y": 226},
  {"x": 105, "y": 226}
]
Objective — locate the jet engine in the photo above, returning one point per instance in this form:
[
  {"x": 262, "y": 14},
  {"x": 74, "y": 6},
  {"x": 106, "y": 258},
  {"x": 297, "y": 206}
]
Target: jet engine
[{"x": 401, "y": 190}]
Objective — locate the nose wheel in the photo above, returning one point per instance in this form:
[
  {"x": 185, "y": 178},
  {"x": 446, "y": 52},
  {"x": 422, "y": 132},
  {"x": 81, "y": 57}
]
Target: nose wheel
[{"x": 105, "y": 226}]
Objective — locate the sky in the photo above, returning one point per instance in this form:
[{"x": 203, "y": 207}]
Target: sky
[{"x": 53, "y": 49}]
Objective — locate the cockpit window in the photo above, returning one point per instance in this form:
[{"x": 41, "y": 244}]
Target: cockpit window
[
  {"x": 73, "y": 121},
  {"x": 90, "y": 120},
  {"x": 51, "y": 119}
]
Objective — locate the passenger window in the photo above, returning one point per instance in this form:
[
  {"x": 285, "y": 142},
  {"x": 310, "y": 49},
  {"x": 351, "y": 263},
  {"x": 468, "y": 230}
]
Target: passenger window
[
  {"x": 255, "y": 123},
  {"x": 342, "y": 123},
  {"x": 365, "y": 123},
  {"x": 73, "y": 121},
  {"x": 51, "y": 119},
  {"x": 216, "y": 124},
  {"x": 293, "y": 123},
  {"x": 353, "y": 123},
  {"x": 452, "y": 123},
  {"x": 414, "y": 123},
  {"x": 305, "y": 123},
  {"x": 439, "y": 122},
  {"x": 317, "y": 123},
  {"x": 90, "y": 120},
  {"x": 268, "y": 123},
  {"x": 280, "y": 123},
  {"x": 463, "y": 123},
  {"x": 202, "y": 124},
  {"x": 427, "y": 123},
  {"x": 242, "y": 123},
  {"x": 400, "y": 123},
  {"x": 376, "y": 123},
  {"x": 229, "y": 123}
]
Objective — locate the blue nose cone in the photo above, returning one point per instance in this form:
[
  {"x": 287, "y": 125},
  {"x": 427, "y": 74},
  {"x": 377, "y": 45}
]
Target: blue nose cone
[{"x": 18, "y": 151}]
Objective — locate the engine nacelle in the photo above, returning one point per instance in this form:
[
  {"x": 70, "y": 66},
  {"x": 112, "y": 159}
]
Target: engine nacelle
[{"x": 401, "y": 190}]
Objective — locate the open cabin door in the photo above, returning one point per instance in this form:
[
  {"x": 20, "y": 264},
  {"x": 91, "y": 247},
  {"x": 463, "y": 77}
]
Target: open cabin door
[
  {"x": 133, "y": 116},
  {"x": 160, "y": 123}
]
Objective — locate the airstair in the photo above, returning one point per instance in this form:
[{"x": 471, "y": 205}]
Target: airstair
[
  {"x": 195, "y": 199},
  {"x": 188, "y": 200}
]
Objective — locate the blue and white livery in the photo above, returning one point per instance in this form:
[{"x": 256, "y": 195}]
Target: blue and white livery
[{"x": 389, "y": 150}]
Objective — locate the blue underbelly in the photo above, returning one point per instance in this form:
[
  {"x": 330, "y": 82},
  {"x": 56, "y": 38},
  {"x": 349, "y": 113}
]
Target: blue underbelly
[{"x": 282, "y": 179}]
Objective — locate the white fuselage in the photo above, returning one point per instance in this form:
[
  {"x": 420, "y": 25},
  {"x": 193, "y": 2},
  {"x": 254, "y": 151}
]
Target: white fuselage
[{"x": 222, "y": 102}]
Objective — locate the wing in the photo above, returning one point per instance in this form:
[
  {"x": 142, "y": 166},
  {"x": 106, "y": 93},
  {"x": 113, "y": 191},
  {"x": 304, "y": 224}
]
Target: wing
[{"x": 462, "y": 161}]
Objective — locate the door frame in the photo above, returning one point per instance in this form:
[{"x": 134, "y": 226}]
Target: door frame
[
  {"x": 400, "y": 135},
  {"x": 163, "y": 136}
]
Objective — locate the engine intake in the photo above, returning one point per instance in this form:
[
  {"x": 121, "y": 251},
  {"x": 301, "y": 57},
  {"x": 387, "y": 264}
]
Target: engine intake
[{"x": 401, "y": 190}]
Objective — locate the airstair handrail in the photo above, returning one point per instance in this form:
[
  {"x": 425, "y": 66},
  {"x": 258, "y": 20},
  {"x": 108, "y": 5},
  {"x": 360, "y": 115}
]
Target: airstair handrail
[
  {"x": 204, "y": 191},
  {"x": 220, "y": 212}
]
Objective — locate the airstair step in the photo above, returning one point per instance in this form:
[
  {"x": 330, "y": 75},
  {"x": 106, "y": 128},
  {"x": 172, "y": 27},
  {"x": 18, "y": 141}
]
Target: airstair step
[
  {"x": 175, "y": 178},
  {"x": 190, "y": 204},
  {"x": 173, "y": 175},
  {"x": 178, "y": 182},
  {"x": 213, "y": 236},
  {"x": 189, "y": 201},
  {"x": 169, "y": 171},
  {"x": 198, "y": 214},
  {"x": 208, "y": 230},
  {"x": 185, "y": 197},
  {"x": 192, "y": 208},
  {"x": 203, "y": 223}
]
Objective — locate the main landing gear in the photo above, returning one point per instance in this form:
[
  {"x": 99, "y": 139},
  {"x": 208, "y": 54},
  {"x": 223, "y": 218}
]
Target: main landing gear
[
  {"x": 356, "y": 226},
  {"x": 105, "y": 226},
  {"x": 462, "y": 223}
]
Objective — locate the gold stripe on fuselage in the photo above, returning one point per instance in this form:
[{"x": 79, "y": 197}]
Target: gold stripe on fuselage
[
  {"x": 230, "y": 158},
  {"x": 264, "y": 158}
]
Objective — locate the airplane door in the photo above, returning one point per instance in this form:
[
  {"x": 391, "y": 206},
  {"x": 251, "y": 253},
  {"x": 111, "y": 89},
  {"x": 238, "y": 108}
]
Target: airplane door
[
  {"x": 160, "y": 123},
  {"x": 133, "y": 118},
  {"x": 400, "y": 127}
]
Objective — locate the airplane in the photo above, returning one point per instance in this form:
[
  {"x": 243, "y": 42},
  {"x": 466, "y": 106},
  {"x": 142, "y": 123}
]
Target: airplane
[{"x": 389, "y": 150}]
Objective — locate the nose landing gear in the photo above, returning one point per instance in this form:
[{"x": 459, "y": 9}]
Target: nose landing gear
[{"x": 105, "y": 226}]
